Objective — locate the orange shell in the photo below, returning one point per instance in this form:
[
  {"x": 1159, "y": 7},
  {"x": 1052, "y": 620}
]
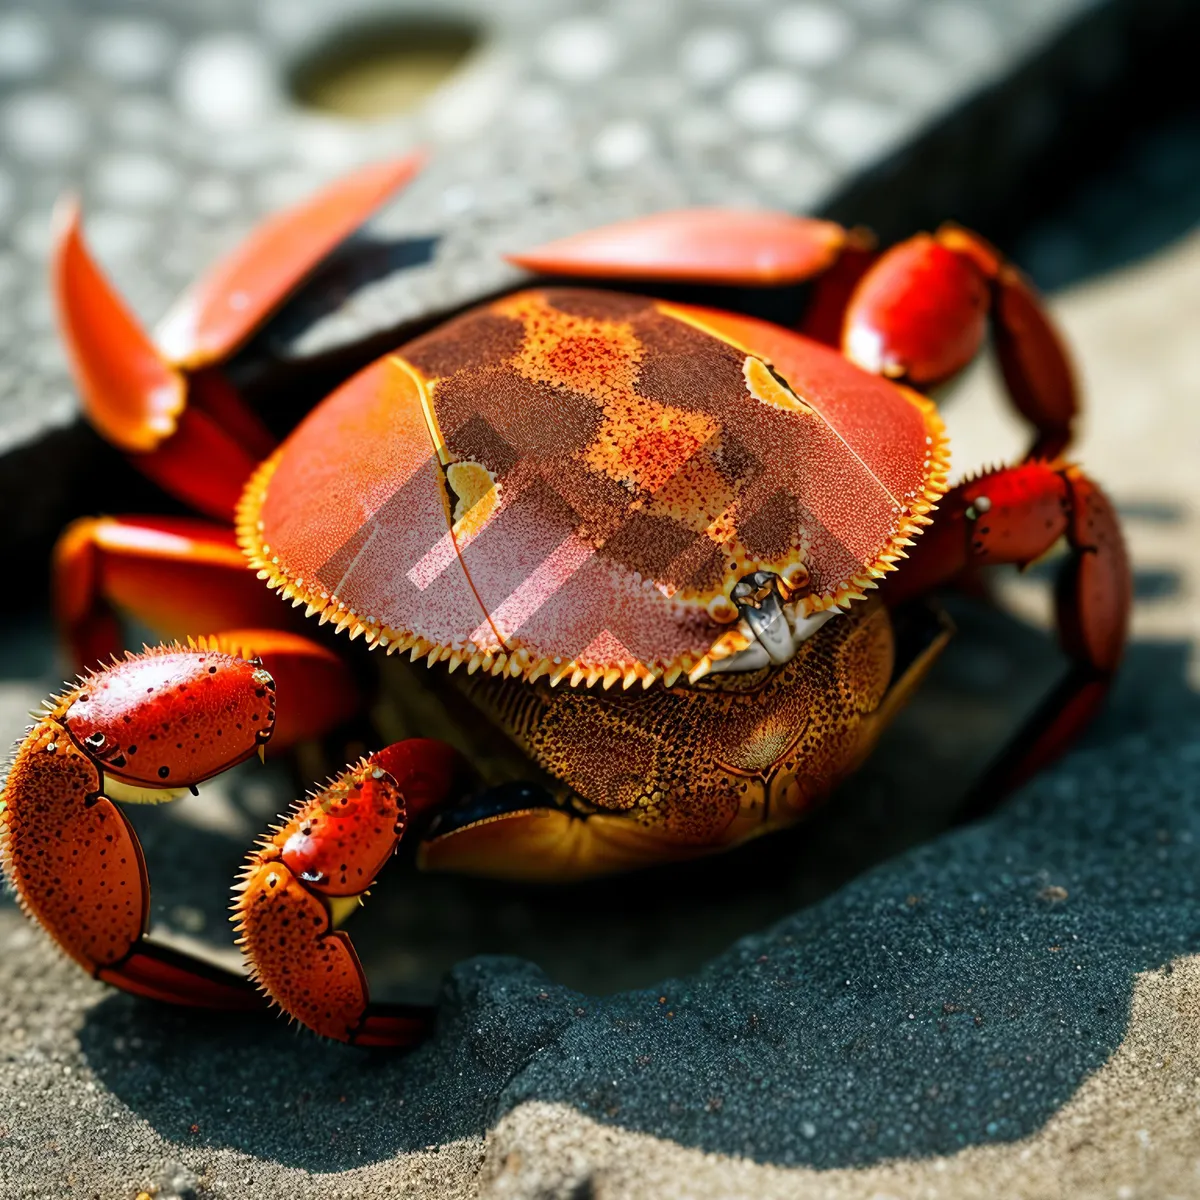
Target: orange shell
[{"x": 570, "y": 482}]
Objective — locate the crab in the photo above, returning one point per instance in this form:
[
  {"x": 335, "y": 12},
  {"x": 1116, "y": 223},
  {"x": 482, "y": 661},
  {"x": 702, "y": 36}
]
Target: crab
[{"x": 669, "y": 563}]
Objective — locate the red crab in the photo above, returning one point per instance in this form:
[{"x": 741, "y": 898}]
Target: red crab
[{"x": 647, "y": 532}]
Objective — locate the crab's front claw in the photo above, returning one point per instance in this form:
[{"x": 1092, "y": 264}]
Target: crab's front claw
[
  {"x": 312, "y": 871},
  {"x": 921, "y": 311},
  {"x": 143, "y": 729}
]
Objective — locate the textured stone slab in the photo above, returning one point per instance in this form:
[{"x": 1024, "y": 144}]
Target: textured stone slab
[{"x": 177, "y": 125}]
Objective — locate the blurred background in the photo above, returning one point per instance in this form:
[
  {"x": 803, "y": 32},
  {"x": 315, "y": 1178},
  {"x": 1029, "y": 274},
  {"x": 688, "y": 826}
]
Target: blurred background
[
  {"x": 1068, "y": 131},
  {"x": 182, "y": 121}
]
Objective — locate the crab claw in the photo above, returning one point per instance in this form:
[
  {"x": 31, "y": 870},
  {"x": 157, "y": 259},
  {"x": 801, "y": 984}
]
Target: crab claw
[
  {"x": 312, "y": 871},
  {"x": 143, "y": 729},
  {"x": 921, "y": 312}
]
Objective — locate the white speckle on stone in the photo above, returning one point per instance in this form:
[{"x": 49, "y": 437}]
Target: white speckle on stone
[
  {"x": 580, "y": 50},
  {"x": 43, "y": 126},
  {"x": 213, "y": 196},
  {"x": 537, "y": 107},
  {"x": 963, "y": 32},
  {"x": 622, "y": 144},
  {"x": 459, "y": 198},
  {"x": 808, "y": 1129},
  {"x": 901, "y": 71},
  {"x": 467, "y": 103},
  {"x": 854, "y": 131},
  {"x": 38, "y": 310},
  {"x": 766, "y": 160},
  {"x": 282, "y": 189},
  {"x": 254, "y": 148},
  {"x": 701, "y": 128},
  {"x": 224, "y": 82},
  {"x": 713, "y": 54},
  {"x": 324, "y": 144},
  {"x": 800, "y": 178},
  {"x": 138, "y": 118},
  {"x": 129, "y": 50},
  {"x": 770, "y": 100},
  {"x": 135, "y": 181},
  {"x": 810, "y": 35},
  {"x": 187, "y": 918},
  {"x": 31, "y": 235},
  {"x": 116, "y": 235},
  {"x": 25, "y": 45}
]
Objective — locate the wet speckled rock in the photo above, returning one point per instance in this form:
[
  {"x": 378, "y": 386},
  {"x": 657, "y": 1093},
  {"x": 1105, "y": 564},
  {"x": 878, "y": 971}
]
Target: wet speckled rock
[{"x": 179, "y": 126}]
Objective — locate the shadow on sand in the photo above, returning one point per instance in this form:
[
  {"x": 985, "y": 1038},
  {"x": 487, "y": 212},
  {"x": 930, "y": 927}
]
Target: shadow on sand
[{"x": 949, "y": 997}]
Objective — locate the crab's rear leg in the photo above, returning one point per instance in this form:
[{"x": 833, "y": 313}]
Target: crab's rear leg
[
  {"x": 747, "y": 248},
  {"x": 180, "y": 577},
  {"x": 921, "y": 314},
  {"x": 134, "y": 397},
  {"x": 142, "y": 729},
  {"x": 1015, "y": 515},
  {"x": 313, "y": 870},
  {"x": 166, "y": 404}
]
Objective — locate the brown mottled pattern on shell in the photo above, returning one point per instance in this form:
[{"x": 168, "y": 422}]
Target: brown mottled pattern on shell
[
  {"x": 639, "y": 475},
  {"x": 650, "y": 405},
  {"x": 483, "y": 339},
  {"x": 74, "y": 865},
  {"x": 709, "y": 764},
  {"x": 599, "y": 306},
  {"x": 537, "y": 421}
]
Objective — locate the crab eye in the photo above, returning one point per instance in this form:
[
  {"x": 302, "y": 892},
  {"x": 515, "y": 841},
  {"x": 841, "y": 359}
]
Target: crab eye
[
  {"x": 722, "y": 609},
  {"x": 796, "y": 580}
]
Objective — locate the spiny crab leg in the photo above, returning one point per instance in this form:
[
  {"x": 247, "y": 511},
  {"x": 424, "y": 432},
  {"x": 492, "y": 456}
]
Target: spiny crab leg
[
  {"x": 312, "y": 870},
  {"x": 144, "y": 729},
  {"x": 165, "y": 401}
]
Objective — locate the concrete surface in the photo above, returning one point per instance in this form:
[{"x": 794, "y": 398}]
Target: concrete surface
[{"x": 179, "y": 123}]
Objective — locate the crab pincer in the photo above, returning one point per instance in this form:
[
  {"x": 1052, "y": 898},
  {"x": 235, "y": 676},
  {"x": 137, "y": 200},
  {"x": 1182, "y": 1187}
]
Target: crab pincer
[
  {"x": 144, "y": 729},
  {"x": 312, "y": 870}
]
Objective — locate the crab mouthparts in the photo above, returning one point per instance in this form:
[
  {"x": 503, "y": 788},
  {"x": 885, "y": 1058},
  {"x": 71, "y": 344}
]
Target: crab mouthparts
[{"x": 779, "y": 629}]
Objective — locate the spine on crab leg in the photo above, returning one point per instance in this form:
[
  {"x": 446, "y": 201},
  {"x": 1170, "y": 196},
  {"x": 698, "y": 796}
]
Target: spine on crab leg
[
  {"x": 142, "y": 730},
  {"x": 312, "y": 870}
]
